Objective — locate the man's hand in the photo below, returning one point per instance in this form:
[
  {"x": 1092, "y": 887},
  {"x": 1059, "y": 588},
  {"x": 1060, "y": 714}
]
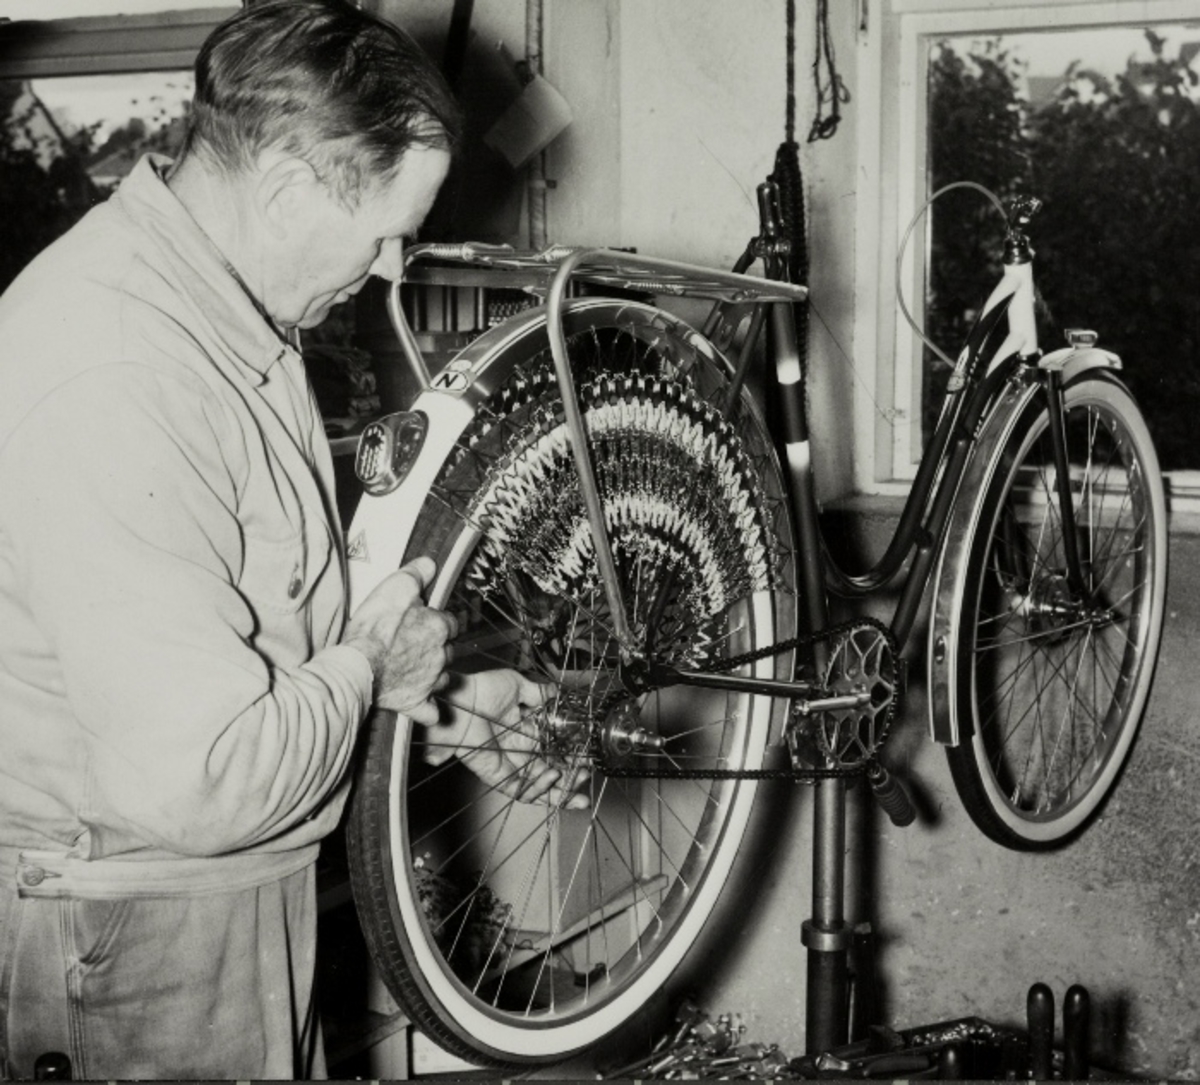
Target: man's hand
[
  {"x": 490, "y": 730},
  {"x": 404, "y": 641}
]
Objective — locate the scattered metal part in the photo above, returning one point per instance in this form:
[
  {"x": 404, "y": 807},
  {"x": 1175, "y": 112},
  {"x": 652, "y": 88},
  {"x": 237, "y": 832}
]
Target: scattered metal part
[
  {"x": 707, "y": 1047},
  {"x": 702, "y": 1047}
]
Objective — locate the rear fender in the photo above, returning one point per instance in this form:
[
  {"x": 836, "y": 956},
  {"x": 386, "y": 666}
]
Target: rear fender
[{"x": 382, "y": 525}]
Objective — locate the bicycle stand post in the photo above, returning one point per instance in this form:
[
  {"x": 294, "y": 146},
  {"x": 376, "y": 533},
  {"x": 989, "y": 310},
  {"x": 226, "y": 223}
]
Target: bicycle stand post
[{"x": 826, "y": 935}]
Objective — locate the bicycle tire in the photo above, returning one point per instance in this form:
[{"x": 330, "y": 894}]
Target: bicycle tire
[
  {"x": 484, "y": 938},
  {"x": 1052, "y": 684}
]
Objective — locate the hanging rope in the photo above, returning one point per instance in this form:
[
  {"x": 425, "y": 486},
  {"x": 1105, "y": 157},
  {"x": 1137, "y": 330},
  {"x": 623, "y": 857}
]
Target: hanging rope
[
  {"x": 831, "y": 92},
  {"x": 788, "y": 178},
  {"x": 790, "y": 124}
]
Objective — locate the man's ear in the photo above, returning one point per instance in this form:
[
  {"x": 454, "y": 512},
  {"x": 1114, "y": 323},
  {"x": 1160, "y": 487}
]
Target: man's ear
[{"x": 285, "y": 191}]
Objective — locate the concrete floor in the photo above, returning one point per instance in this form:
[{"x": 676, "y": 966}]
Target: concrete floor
[{"x": 966, "y": 926}]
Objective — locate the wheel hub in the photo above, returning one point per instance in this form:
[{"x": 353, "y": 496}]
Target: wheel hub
[
  {"x": 565, "y": 729},
  {"x": 1053, "y": 608},
  {"x": 622, "y": 736}
]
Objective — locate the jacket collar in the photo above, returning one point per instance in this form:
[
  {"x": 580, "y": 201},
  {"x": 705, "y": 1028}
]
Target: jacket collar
[{"x": 207, "y": 280}]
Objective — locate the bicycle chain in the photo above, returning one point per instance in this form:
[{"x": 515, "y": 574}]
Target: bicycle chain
[{"x": 794, "y": 773}]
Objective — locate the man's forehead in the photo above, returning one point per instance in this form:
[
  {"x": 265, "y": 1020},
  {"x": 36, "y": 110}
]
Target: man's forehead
[{"x": 409, "y": 190}]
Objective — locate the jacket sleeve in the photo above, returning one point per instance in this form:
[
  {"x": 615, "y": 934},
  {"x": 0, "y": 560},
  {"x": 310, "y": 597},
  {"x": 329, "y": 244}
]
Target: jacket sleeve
[{"x": 121, "y": 513}]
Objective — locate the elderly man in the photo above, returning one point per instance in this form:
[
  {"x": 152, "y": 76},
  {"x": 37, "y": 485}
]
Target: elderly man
[{"x": 180, "y": 694}]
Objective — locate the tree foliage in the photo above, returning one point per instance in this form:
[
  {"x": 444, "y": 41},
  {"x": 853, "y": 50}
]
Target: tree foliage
[
  {"x": 42, "y": 193},
  {"x": 975, "y": 130},
  {"x": 46, "y": 182},
  {"x": 1117, "y": 163}
]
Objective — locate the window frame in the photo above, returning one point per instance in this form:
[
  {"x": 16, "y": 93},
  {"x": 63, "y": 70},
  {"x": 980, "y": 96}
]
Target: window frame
[
  {"x": 893, "y": 148},
  {"x": 106, "y": 44}
]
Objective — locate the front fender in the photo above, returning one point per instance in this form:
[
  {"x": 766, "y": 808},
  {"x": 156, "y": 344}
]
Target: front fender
[{"x": 949, "y": 579}]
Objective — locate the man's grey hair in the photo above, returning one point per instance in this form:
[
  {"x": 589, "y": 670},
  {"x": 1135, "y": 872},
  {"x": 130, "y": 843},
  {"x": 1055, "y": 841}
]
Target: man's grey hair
[{"x": 347, "y": 92}]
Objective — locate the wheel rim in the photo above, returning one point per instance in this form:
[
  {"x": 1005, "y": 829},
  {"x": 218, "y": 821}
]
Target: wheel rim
[
  {"x": 539, "y": 928},
  {"x": 1057, "y": 674}
]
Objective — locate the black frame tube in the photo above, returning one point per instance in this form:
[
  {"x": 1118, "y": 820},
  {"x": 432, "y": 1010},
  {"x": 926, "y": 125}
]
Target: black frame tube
[
  {"x": 1056, "y": 408},
  {"x": 914, "y": 523}
]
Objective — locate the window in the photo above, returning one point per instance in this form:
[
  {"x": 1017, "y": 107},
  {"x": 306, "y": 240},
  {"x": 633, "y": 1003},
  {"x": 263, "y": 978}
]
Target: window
[
  {"x": 1095, "y": 109},
  {"x": 74, "y": 9},
  {"x": 66, "y": 142},
  {"x": 81, "y": 99}
]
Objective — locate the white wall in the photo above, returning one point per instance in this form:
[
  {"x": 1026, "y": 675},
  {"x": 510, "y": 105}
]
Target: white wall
[{"x": 679, "y": 107}]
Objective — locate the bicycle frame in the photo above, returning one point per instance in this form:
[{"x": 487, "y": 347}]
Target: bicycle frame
[
  {"x": 998, "y": 372},
  {"x": 980, "y": 377}
]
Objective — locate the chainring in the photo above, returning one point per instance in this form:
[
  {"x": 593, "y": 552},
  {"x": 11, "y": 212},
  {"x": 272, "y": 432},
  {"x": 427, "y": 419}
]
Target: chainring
[{"x": 862, "y": 661}]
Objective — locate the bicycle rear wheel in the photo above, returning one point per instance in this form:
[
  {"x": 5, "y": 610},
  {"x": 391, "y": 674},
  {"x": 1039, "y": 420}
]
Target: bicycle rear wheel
[
  {"x": 519, "y": 933},
  {"x": 1052, "y": 681}
]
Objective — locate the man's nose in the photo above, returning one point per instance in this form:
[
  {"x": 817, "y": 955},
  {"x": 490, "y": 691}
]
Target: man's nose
[{"x": 389, "y": 264}]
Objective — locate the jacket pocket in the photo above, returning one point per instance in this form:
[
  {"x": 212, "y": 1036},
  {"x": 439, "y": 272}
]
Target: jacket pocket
[{"x": 278, "y": 574}]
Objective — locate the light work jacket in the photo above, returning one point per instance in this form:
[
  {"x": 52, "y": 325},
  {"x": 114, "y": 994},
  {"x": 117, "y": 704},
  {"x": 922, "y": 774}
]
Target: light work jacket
[{"x": 175, "y": 713}]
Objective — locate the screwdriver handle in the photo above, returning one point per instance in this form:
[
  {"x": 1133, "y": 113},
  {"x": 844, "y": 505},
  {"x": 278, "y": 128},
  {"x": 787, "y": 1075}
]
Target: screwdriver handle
[
  {"x": 1076, "y": 1018},
  {"x": 1040, "y": 1010}
]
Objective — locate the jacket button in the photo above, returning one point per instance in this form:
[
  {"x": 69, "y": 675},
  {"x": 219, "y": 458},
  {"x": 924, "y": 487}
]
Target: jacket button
[
  {"x": 295, "y": 586},
  {"x": 33, "y": 876}
]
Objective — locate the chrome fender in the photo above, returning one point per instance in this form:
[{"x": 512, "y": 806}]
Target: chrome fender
[
  {"x": 942, "y": 651},
  {"x": 382, "y": 525}
]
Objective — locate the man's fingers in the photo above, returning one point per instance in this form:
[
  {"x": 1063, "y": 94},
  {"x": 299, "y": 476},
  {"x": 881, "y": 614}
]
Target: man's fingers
[
  {"x": 406, "y": 586},
  {"x": 558, "y": 796},
  {"x": 532, "y": 693},
  {"x": 425, "y": 712},
  {"x": 550, "y": 786},
  {"x": 568, "y": 800},
  {"x": 530, "y": 789},
  {"x": 428, "y": 622},
  {"x": 422, "y": 570}
]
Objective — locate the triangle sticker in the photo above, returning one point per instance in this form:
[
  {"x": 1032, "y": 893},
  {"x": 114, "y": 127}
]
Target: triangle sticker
[{"x": 357, "y": 548}]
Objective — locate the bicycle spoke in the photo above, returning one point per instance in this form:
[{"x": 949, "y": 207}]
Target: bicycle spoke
[
  {"x": 1055, "y": 665},
  {"x": 540, "y": 915}
]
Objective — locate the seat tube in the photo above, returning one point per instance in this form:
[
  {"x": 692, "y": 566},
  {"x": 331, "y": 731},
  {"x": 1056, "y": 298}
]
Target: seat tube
[
  {"x": 790, "y": 378},
  {"x": 824, "y": 936}
]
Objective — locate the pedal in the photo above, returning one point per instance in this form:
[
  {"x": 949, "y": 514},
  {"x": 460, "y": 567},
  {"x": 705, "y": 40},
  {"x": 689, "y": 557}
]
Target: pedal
[{"x": 891, "y": 794}]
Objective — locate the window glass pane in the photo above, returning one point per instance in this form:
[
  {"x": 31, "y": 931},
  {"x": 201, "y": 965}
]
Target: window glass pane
[
  {"x": 65, "y": 144},
  {"x": 1104, "y": 126},
  {"x": 76, "y": 9}
]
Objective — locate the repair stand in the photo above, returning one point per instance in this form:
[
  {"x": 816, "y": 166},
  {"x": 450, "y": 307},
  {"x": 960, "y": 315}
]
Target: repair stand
[
  {"x": 825, "y": 935},
  {"x": 966, "y": 1048}
]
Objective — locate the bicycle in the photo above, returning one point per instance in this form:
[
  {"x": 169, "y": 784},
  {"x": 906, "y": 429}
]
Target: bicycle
[{"x": 609, "y": 513}]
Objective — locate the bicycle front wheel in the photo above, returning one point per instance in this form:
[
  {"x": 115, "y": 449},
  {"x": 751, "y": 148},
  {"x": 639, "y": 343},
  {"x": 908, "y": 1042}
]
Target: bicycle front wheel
[
  {"x": 1053, "y": 677},
  {"x": 516, "y": 933}
]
